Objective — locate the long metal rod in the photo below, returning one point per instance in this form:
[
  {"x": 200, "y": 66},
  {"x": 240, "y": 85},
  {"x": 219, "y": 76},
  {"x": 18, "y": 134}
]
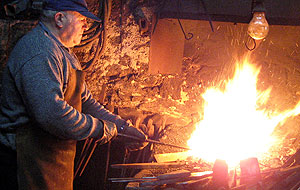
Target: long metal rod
[
  {"x": 152, "y": 141},
  {"x": 83, "y": 155}
]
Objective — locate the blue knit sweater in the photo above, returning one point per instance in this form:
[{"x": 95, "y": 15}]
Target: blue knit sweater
[{"x": 33, "y": 86}]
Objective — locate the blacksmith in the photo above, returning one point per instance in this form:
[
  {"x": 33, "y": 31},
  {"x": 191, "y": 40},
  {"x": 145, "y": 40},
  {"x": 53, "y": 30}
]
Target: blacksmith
[{"x": 46, "y": 106}]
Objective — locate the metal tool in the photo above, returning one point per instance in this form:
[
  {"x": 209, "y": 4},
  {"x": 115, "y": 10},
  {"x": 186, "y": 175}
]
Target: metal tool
[
  {"x": 85, "y": 156},
  {"x": 152, "y": 141}
]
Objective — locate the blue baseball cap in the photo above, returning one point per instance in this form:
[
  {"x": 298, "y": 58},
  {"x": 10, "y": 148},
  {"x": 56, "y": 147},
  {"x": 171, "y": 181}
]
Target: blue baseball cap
[{"x": 79, "y": 6}]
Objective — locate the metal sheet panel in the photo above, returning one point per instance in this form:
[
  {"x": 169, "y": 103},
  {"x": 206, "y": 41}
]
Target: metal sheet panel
[{"x": 166, "y": 48}]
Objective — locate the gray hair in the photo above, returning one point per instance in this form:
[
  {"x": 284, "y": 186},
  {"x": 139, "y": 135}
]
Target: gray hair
[{"x": 47, "y": 15}]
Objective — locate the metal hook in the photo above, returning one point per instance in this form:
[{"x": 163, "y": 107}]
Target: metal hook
[
  {"x": 178, "y": 11},
  {"x": 246, "y": 44},
  {"x": 191, "y": 35},
  {"x": 208, "y": 16}
]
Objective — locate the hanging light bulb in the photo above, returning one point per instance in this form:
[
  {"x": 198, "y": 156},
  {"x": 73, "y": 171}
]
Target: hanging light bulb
[{"x": 258, "y": 27}]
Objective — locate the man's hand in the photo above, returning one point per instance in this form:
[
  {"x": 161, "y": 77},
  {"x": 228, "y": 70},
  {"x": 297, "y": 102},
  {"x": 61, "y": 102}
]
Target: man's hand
[{"x": 132, "y": 144}]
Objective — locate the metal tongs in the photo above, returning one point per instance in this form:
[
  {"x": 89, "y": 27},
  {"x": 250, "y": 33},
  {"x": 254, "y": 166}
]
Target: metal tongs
[{"x": 151, "y": 141}]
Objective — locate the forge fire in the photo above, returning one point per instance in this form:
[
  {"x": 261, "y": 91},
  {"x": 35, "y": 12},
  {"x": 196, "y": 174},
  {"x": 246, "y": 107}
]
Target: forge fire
[{"x": 236, "y": 123}]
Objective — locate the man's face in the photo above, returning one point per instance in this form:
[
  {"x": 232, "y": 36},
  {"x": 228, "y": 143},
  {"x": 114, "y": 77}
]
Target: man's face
[{"x": 74, "y": 26}]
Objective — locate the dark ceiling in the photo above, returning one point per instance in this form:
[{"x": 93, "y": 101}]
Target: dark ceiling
[{"x": 278, "y": 12}]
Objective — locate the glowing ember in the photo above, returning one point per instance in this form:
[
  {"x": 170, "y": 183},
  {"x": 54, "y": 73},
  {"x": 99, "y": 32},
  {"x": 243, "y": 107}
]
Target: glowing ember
[{"x": 234, "y": 126}]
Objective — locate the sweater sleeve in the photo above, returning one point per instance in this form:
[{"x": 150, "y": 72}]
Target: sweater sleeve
[
  {"x": 40, "y": 83},
  {"x": 94, "y": 108}
]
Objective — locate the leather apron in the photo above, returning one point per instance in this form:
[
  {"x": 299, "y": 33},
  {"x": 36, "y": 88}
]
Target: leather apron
[{"x": 46, "y": 162}]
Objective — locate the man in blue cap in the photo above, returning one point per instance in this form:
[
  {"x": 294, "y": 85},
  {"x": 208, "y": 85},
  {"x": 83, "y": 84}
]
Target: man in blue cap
[{"x": 45, "y": 104}]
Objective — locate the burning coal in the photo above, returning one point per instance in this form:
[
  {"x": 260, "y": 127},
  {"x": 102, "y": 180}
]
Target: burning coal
[{"x": 235, "y": 124}]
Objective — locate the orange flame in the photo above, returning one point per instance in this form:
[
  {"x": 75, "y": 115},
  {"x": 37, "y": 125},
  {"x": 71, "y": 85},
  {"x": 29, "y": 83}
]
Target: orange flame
[{"x": 234, "y": 127}]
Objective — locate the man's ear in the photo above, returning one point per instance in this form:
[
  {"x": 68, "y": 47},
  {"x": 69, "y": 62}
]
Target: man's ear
[{"x": 59, "y": 19}]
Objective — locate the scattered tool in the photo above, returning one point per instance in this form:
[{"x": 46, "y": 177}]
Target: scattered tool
[
  {"x": 153, "y": 165},
  {"x": 87, "y": 151}
]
